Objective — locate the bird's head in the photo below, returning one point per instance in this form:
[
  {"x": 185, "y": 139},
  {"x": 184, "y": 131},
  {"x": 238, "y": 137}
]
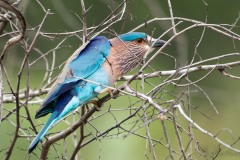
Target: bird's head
[
  {"x": 131, "y": 48},
  {"x": 136, "y": 43},
  {"x": 141, "y": 39}
]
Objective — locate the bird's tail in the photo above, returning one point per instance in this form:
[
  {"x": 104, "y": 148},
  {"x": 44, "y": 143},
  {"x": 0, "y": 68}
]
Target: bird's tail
[
  {"x": 51, "y": 120},
  {"x": 65, "y": 104}
]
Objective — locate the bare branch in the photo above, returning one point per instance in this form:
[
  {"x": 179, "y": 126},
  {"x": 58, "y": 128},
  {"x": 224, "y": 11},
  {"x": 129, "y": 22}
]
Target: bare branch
[
  {"x": 21, "y": 19},
  {"x": 1, "y": 94},
  {"x": 203, "y": 130},
  {"x": 84, "y": 20},
  {"x": 171, "y": 14}
]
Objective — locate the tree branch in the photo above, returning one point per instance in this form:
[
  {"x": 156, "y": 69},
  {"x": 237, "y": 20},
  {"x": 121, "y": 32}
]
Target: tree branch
[{"x": 21, "y": 19}]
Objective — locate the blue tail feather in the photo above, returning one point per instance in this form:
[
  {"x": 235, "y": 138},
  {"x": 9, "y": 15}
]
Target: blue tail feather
[
  {"x": 52, "y": 119},
  {"x": 64, "y": 105}
]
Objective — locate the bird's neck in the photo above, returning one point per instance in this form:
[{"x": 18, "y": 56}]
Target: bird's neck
[{"x": 120, "y": 60}]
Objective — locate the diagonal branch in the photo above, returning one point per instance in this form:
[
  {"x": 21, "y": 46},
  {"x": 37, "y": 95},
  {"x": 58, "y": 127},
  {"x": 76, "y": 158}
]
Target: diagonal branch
[{"x": 178, "y": 106}]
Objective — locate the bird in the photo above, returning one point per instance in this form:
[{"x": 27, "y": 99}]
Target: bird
[{"x": 91, "y": 70}]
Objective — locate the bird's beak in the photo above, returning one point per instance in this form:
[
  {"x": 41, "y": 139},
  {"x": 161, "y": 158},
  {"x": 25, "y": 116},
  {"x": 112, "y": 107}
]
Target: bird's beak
[{"x": 156, "y": 43}]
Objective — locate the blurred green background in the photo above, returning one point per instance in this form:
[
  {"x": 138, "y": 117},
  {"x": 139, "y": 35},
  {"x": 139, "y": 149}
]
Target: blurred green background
[{"x": 223, "y": 91}]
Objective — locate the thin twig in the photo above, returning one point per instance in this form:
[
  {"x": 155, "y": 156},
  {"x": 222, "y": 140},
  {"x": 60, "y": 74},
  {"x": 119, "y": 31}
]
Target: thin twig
[
  {"x": 21, "y": 19},
  {"x": 203, "y": 130},
  {"x": 84, "y": 21},
  {"x": 172, "y": 19}
]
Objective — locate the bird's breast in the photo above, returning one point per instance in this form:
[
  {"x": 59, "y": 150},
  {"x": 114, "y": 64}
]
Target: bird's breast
[{"x": 100, "y": 79}]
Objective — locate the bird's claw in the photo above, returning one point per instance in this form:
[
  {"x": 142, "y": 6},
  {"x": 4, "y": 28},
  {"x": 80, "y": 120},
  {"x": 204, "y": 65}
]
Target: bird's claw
[
  {"x": 97, "y": 108},
  {"x": 95, "y": 103},
  {"x": 110, "y": 92},
  {"x": 114, "y": 96}
]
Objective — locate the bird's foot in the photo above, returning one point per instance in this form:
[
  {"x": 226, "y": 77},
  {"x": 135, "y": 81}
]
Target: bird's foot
[
  {"x": 110, "y": 92},
  {"x": 95, "y": 103},
  {"x": 114, "y": 96}
]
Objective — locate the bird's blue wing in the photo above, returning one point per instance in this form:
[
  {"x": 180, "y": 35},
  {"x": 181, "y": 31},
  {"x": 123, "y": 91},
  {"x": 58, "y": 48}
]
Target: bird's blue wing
[{"x": 84, "y": 62}]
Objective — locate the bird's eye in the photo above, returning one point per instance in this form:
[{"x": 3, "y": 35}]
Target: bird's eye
[{"x": 140, "y": 40}]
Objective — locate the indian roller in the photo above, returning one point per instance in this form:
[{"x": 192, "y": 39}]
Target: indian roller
[{"x": 90, "y": 71}]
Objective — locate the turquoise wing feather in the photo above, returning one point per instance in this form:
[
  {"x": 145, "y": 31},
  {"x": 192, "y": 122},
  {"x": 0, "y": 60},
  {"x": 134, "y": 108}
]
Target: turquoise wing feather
[{"x": 84, "y": 62}]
